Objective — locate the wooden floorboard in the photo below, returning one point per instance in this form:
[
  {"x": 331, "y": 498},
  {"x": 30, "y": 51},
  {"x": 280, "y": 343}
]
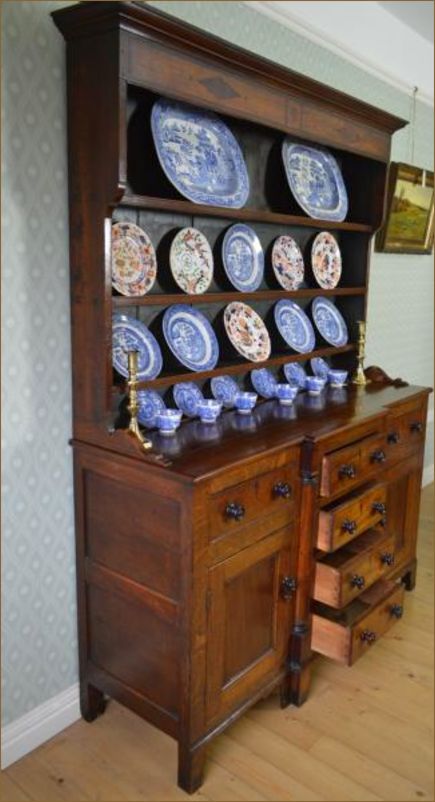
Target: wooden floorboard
[{"x": 365, "y": 733}]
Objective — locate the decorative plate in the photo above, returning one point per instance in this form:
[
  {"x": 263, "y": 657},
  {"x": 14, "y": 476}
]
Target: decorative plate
[
  {"x": 150, "y": 405},
  {"x": 287, "y": 262},
  {"x": 320, "y": 367},
  {"x": 224, "y": 389},
  {"x": 315, "y": 180},
  {"x": 190, "y": 337},
  {"x": 329, "y": 322},
  {"x": 294, "y": 326},
  {"x": 199, "y": 154},
  {"x": 243, "y": 258},
  {"x": 129, "y": 334},
  {"x": 295, "y": 375},
  {"x": 326, "y": 260},
  {"x": 264, "y": 382},
  {"x": 247, "y": 332},
  {"x": 191, "y": 261},
  {"x": 134, "y": 263},
  {"x": 186, "y": 397}
]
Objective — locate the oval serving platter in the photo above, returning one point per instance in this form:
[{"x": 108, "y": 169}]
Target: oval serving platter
[
  {"x": 191, "y": 261},
  {"x": 190, "y": 337},
  {"x": 326, "y": 260},
  {"x": 287, "y": 262},
  {"x": 243, "y": 257},
  {"x": 186, "y": 397},
  {"x": 199, "y": 154},
  {"x": 329, "y": 322},
  {"x": 134, "y": 263},
  {"x": 247, "y": 332},
  {"x": 295, "y": 375},
  {"x": 264, "y": 382},
  {"x": 224, "y": 389},
  {"x": 129, "y": 334},
  {"x": 294, "y": 326},
  {"x": 315, "y": 181}
]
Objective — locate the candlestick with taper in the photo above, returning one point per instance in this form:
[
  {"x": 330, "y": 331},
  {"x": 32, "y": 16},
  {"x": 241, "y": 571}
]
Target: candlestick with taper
[{"x": 359, "y": 376}]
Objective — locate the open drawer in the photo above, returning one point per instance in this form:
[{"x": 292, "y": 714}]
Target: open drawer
[{"x": 344, "y": 635}]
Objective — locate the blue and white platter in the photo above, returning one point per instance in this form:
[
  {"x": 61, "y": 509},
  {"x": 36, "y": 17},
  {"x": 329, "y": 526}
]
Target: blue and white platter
[
  {"x": 224, "y": 389},
  {"x": 186, "y": 397},
  {"x": 190, "y": 337},
  {"x": 150, "y": 405},
  {"x": 294, "y": 326},
  {"x": 243, "y": 257},
  {"x": 320, "y": 367},
  {"x": 199, "y": 154},
  {"x": 295, "y": 375},
  {"x": 264, "y": 382},
  {"x": 329, "y": 322},
  {"x": 315, "y": 181},
  {"x": 129, "y": 334}
]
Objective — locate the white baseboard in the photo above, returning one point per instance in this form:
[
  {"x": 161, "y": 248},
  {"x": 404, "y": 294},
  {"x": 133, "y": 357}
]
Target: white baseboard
[
  {"x": 39, "y": 725},
  {"x": 428, "y": 475}
]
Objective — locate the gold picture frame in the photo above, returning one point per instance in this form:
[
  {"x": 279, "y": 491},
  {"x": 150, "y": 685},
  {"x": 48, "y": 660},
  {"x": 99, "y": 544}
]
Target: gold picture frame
[{"x": 409, "y": 223}]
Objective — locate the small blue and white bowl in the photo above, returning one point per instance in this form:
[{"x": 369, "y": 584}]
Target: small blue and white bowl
[
  {"x": 286, "y": 394},
  {"x": 208, "y": 410},
  {"x": 245, "y": 402},
  {"x": 168, "y": 421},
  {"x": 337, "y": 378},
  {"x": 314, "y": 385}
]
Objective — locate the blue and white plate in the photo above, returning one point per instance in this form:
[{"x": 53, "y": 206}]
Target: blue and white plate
[
  {"x": 199, "y": 154},
  {"x": 186, "y": 397},
  {"x": 295, "y": 375},
  {"x": 320, "y": 367},
  {"x": 224, "y": 389},
  {"x": 294, "y": 326},
  {"x": 315, "y": 180},
  {"x": 329, "y": 322},
  {"x": 150, "y": 405},
  {"x": 243, "y": 257},
  {"x": 129, "y": 334},
  {"x": 264, "y": 382},
  {"x": 190, "y": 337}
]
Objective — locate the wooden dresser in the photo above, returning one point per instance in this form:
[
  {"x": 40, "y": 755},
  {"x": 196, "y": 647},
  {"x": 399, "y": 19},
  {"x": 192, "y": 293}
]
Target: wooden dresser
[{"x": 212, "y": 568}]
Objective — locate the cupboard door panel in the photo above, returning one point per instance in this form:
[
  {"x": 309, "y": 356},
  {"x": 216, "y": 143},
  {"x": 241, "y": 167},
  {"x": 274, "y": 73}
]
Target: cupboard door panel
[{"x": 403, "y": 504}]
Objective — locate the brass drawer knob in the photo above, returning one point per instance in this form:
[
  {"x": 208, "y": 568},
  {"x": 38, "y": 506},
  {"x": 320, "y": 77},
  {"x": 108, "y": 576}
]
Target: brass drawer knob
[
  {"x": 357, "y": 581},
  {"x": 379, "y": 506},
  {"x": 282, "y": 490},
  {"x": 347, "y": 471},
  {"x": 349, "y": 526},
  {"x": 387, "y": 558},
  {"x": 288, "y": 587},
  {"x": 368, "y": 636},
  {"x": 416, "y": 426},
  {"x": 393, "y": 437},
  {"x": 396, "y": 610},
  {"x": 234, "y": 511},
  {"x": 378, "y": 456}
]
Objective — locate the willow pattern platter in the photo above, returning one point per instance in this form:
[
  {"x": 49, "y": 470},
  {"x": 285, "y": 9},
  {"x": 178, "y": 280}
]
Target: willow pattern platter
[
  {"x": 320, "y": 367},
  {"x": 247, "y": 332},
  {"x": 295, "y": 375},
  {"x": 150, "y": 405},
  {"x": 329, "y": 322},
  {"x": 287, "y": 262},
  {"x": 243, "y": 257},
  {"x": 315, "y": 181},
  {"x": 190, "y": 337},
  {"x": 224, "y": 389},
  {"x": 191, "y": 261},
  {"x": 199, "y": 154},
  {"x": 134, "y": 263},
  {"x": 294, "y": 326},
  {"x": 129, "y": 334},
  {"x": 186, "y": 397},
  {"x": 264, "y": 382},
  {"x": 326, "y": 260}
]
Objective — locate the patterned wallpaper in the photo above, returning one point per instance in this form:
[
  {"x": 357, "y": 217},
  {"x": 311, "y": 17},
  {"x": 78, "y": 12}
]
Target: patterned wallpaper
[{"x": 39, "y": 630}]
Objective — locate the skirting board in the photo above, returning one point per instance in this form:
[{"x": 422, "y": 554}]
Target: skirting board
[{"x": 39, "y": 725}]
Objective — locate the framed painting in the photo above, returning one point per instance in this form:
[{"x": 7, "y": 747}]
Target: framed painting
[{"x": 409, "y": 225}]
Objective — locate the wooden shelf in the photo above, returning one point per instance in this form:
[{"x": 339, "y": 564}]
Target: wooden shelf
[
  {"x": 242, "y": 366},
  {"x": 252, "y": 215},
  {"x": 231, "y": 295}
]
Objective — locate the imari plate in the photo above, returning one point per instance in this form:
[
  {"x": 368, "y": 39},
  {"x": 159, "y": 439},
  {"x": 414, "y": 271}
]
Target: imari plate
[
  {"x": 134, "y": 264},
  {"x": 190, "y": 337},
  {"x": 247, "y": 332},
  {"x": 243, "y": 257},
  {"x": 287, "y": 262},
  {"x": 315, "y": 180},
  {"x": 199, "y": 154},
  {"x": 129, "y": 334},
  {"x": 329, "y": 322},
  {"x": 191, "y": 261},
  {"x": 294, "y": 326},
  {"x": 326, "y": 260}
]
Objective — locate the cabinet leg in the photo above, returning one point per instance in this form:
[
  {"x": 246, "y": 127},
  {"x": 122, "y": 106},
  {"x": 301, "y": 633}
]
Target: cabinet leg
[
  {"x": 295, "y": 688},
  {"x": 92, "y": 702},
  {"x": 409, "y": 577},
  {"x": 191, "y": 762}
]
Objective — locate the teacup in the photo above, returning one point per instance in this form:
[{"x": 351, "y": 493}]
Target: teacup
[
  {"x": 208, "y": 410},
  {"x": 337, "y": 378},
  {"x": 314, "y": 385},
  {"x": 168, "y": 421},
  {"x": 245, "y": 402},
  {"x": 286, "y": 393}
]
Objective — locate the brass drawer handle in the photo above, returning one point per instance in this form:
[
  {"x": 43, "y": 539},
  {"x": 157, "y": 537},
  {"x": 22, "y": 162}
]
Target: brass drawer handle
[
  {"x": 379, "y": 506},
  {"x": 349, "y": 526},
  {"x": 393, "y": 437},
  {"x": 396, "y": 610},
  {"x": 387, "y": 558},
  {"x": 378, "y": 456},
  {"x": 368, "y": 636},
  {"x": 416, "y": 426},
  {"x": 288, "y": 587},
  {"x": 234, "y": 511},
  {"x": 357, "y": 581},
  {"x": 282, "y": 490},
  {"x": 347, "y": 471}
]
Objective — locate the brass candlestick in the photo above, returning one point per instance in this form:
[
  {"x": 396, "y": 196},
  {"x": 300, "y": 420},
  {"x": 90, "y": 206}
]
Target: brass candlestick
[
  {"x": 359, "y": 376},
  {"x": 133, "y": 405}
]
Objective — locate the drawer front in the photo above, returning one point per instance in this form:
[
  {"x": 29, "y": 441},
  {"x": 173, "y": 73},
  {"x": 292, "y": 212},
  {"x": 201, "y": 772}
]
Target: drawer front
[
  {"x": 347, "y": 573},
  {"x": 406, "y": 432},
  {"x": 344, "y": 469},
  {"x": 342, "y": 522},
  {"x": 377, "y": 622},
  {"x": 269, "y": 493}
]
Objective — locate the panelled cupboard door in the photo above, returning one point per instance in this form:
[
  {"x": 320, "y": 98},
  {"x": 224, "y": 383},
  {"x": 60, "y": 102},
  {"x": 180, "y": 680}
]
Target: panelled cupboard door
[
  {"x": 403, "y": 502},
  {"x": 249, "y": 619}
]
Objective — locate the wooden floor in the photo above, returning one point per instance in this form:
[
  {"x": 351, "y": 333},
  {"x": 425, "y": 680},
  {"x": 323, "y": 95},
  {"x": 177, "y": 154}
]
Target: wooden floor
[{"x": 366, "y": 733}]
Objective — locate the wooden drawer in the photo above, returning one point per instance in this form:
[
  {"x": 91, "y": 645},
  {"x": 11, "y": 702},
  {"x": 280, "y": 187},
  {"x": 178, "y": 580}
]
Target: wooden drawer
[
  {"x": 261, "y": 495},
  {"x": 406, "y": 431},
  {"x": 345, "y": 635},
  {"x": 341, "y": 522},
  {"x": 342, "y": 576},
  {"x": 343, "y": 469}
]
